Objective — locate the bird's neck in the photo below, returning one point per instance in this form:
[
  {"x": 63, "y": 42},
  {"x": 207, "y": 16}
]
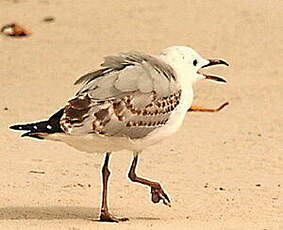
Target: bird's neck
[{"x": 183, "y": 73}]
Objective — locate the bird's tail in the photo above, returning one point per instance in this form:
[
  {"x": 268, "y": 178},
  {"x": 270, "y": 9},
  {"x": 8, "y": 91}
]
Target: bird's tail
[{"x": 41, "y": 128}]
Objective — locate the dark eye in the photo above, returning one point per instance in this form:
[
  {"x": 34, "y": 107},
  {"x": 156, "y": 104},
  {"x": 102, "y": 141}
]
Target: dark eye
[{"x": 195, "y": 62}]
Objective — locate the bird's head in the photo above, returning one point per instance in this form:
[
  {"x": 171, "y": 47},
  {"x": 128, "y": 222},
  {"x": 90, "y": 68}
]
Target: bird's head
[{"x": 188, "y": 63}]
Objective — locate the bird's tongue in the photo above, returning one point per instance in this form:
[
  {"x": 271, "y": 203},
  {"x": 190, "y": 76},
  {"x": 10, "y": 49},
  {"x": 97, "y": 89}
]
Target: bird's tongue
[{"x": 214, "y": 78}]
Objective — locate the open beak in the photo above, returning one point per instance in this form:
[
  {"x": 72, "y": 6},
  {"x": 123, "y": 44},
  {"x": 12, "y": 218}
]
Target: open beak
[
  {"x": 211, "y": 63},
  {"x": 215, "y": 62}
]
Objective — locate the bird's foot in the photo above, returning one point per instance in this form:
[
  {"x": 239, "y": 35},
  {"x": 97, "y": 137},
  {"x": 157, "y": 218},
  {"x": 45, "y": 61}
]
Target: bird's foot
[
  {"x": 158, "y": 194},
  {"x": 107, "y": 217}
]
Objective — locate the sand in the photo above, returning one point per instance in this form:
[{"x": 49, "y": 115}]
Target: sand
[{"x": 222, "y": 170}]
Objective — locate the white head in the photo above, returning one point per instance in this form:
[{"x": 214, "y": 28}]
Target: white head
[{"x": 187, "y": 63}]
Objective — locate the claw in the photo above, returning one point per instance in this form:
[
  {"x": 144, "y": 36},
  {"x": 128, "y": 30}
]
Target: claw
[
  {"x": 107, "y": 217},
  {"x": 166, "y": 200},
  {"x": 158, "y": 194}
]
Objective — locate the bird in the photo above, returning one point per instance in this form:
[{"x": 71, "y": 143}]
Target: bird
[{"x": 134, "y": 100}]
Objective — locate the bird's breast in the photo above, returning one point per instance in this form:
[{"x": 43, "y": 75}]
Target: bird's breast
[{"x": 175, "y": 121}]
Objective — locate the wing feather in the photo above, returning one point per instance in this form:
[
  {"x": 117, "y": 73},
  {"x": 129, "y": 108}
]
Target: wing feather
[{"x": 131, "y": 96}]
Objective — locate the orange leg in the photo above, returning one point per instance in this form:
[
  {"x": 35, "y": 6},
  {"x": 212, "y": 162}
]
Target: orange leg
[{"x": 202, "y": 109}]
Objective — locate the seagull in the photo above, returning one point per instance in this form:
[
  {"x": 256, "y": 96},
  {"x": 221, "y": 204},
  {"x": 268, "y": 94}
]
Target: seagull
[{"x": 133, "y": 101}]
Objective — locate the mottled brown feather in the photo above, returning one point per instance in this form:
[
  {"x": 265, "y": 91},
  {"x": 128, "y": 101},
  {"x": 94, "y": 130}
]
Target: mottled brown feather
[{"x": 131, "y": 96}]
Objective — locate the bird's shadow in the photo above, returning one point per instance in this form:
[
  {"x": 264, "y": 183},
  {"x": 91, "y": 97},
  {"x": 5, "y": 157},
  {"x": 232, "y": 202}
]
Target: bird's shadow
[
  {"x": 54, "y": 212},
  {"x": 48, "y": 213}
]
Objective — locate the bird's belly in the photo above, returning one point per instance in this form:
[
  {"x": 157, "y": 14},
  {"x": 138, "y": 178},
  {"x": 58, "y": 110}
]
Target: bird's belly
[{"x": 92, "y": 143}]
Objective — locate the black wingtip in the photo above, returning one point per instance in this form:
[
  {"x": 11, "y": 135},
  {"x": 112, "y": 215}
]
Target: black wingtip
[
  {"x": 16, "y": 127},
  {"x": 30, "y": 134},
  {"x": 26, "y": 134},
  {"x": 52, "y": 125}
]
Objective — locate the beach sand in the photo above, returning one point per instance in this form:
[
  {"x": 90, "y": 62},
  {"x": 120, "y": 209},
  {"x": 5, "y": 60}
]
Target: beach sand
[{"x": 222, "y": 170}]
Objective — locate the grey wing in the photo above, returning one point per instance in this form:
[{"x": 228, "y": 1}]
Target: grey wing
[{"x": 133, "y": 95}]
